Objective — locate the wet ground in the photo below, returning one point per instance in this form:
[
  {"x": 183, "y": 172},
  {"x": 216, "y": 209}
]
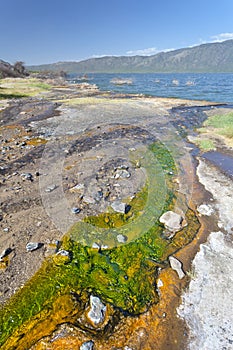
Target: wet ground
[{"x": 62, "y": 162}]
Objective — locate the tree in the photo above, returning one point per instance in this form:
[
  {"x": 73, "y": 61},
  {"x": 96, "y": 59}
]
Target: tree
[{"x": 19, "y": 68}]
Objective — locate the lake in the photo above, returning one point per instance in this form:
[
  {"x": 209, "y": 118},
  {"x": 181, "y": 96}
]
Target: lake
[{"x": 211, "y": 87}]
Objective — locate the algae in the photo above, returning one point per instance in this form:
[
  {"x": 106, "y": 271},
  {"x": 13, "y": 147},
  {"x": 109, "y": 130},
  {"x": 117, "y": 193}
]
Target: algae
[{"x": 123, "y": 275}]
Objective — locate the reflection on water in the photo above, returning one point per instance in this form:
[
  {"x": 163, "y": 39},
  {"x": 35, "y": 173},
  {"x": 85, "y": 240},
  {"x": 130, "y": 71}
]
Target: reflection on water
[{"x": 223, "y": 161}]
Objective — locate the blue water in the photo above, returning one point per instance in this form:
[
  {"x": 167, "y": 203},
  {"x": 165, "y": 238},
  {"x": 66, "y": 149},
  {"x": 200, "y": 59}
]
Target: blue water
[{"x": 210, "y": 87}]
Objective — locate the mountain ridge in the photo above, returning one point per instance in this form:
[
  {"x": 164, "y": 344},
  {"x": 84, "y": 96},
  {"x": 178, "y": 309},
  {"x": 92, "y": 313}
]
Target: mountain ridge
[{"x": 205, "y": 58}]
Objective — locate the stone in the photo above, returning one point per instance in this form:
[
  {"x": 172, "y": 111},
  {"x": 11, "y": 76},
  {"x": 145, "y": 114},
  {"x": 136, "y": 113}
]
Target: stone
[
  {"x": 33, "y": 246},
  {"x": 122, "y": 173},
  {"x": 63, "y": 253},
  {"x": 5, "y": 252},
  {"x": 75, "y": 210},
  {"x": 50, "y": 188},
  {"x": 172, "y": 221},
  {"x": 176, "y": 265},
  {"x": 27, "y": 176},
  {"x": 122, "y": 238},
  {"x": 205, "y": 209},
  {"x": 119, "y": 207},
  {"x": 88, "y": 345},
  {"x": 96, "y": 246},
  {"x": 77, "y": 187},
  {"x": 98, "y": 310}
]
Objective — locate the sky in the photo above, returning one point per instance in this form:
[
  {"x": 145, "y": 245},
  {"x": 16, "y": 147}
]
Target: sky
[{"x": 47, "y": 31}]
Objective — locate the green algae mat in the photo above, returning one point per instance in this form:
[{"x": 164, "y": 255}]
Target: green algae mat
[{"x": 122, "y": 275}]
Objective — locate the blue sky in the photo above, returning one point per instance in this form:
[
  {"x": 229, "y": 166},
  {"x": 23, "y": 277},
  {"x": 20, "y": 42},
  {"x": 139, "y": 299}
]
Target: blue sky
[{"x": 48, "y": 31}]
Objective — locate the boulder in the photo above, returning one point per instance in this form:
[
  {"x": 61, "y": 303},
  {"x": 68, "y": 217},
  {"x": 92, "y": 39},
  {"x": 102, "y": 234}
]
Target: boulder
[{"x": 172, "y": 221}]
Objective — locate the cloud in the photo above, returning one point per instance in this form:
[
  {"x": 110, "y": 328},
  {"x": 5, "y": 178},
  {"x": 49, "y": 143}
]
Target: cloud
[
  {"x": 222, "y": 37},
  {"x": 143, "y": 52}
]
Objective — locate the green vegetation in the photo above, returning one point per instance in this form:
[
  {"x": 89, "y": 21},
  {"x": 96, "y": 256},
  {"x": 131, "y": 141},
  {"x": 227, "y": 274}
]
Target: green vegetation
[
  {"x": 205, "y": 144},
  {"x": 222, "y": 124},
  {"x": 21, "y": 87},
  {"x": 122, "y": 275}
]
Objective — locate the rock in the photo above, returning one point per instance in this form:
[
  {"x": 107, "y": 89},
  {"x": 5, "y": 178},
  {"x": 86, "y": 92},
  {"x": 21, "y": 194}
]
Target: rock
[
  {"x": 27, "y": 176},
  {"x": 98, "y": 310},
  {"x": 62, "y": 257},
  {"x": 75, "y": 210},
  {"x": 96, "y": 246},
  {"x": 63, "y": 252},
  {"x": 122, "y": 173},
  {"x": 176, "y": 265},
  {"x": 119, "y": 207},
  {"x": 205, "y": 209},
  {"x": 77, "y": 187},
  {"x": 50, "y": 188},
  {"x": 33, "y": 246},
  {"x": 5, "y": 252},
  {"x": 172, "y": 221},
  {"x": 122, "y": 238},
  {"x": 88, "y": 345}
]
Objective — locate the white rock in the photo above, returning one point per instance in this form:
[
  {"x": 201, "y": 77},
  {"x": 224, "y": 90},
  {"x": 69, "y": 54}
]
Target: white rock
[
  {"x": 205, "y": 209},
  {"x": 172, "y": 221},
  {"x": 119, "y": 207},
  {"x": 176, "y": 265},
  {"x": 98, "y": 310}
]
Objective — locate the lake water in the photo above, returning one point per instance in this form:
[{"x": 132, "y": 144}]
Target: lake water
[{"x": 210, "y": 87}]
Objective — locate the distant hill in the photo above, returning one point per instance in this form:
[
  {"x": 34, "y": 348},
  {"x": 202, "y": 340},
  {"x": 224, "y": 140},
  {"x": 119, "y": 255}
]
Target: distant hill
[{"x": 206, "y": 58}]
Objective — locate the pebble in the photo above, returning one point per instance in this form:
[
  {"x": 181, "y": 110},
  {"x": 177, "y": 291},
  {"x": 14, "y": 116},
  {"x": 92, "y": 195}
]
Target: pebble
[
  {"x": 176, "y": 265},
  {"x": 32, "y": 246},
  {"x": 98, "y": 310},
  {"x": 119, "y": 207},
  {"x": 96, "y": 246},
  {"x": 27, "y": 176},
  {"x": 122, "y": 238},
  {"x": 50, "y": 188},
  {"x": 63, "y": 253},
  {"x": 75, "y": 210},
  {"x": 88, "y": 345},
  {"x": 5, "y": 252}
]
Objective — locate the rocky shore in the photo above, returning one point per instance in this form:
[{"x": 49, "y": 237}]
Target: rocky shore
[{"x": 72, "y": 153}]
